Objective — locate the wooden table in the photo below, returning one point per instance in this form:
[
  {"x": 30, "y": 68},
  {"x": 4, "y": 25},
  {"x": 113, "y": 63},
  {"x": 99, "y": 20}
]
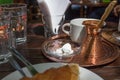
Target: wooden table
[
  {"x": 83, "y": 9},
  {"x": 32, "y": 51}
]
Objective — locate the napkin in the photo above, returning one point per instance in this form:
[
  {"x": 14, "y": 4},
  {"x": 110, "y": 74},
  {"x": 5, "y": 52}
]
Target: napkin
[{"x": 53, "y": 12}]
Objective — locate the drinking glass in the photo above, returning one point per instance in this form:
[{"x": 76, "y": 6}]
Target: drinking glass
[
  {"x": 18, "y": 21},
  {"x": 52, "y": 25},
  {"x": 5, "y": 36},
  {"x": 116, "y": 34}
]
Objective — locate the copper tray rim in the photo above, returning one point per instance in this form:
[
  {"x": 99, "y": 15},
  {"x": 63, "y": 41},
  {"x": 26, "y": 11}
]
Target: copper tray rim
[
  {"x": 106, "y": 60},
  {"x": 108, "y": 35}
]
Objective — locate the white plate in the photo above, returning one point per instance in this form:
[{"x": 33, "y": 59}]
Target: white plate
[{"x": 84, "y": 73}]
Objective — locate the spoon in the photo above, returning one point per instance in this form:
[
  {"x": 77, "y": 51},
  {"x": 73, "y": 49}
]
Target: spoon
[
  {"x": 106, "y": 13},
  {"x": 14, "y": 63},
  {"x": 29, "y": 66}
]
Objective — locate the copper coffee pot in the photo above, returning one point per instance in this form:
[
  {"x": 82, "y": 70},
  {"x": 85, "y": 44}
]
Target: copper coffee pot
[
  {"x": 95, "y": 50},
  {"x": 92, "y": 47}
]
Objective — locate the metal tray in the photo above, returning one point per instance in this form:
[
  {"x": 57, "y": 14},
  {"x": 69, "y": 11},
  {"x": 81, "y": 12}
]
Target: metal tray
[
  {"x": 108, "y": 35},
  {"x": 111, "y": 54}
]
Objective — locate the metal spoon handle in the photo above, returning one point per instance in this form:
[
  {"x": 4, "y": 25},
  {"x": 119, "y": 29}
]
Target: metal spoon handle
[
  {"x": 29, "y": 66},
  {"x": 14, "y": 63}
]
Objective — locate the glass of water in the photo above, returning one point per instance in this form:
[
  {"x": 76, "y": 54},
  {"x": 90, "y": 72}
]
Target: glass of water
[
  {"x": 5, "y": 36},
  {"x": 18, "y": 21}
]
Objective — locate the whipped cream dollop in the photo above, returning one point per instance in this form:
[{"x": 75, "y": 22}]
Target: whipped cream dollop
[{"x": 65, "y": 50}]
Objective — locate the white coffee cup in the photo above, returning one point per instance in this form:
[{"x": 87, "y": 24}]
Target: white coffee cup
[{"x": 77, "y": 30}]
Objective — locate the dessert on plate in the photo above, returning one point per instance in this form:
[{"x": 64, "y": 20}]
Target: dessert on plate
[{"x": 66, "y": 72}]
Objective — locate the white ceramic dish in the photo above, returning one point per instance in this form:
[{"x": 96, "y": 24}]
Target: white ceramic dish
[{"x": 84, "y": 73}]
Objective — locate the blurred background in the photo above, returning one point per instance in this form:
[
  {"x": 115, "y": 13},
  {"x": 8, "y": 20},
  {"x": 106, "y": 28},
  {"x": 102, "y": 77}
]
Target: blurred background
[{"x": 77, "y": 9}]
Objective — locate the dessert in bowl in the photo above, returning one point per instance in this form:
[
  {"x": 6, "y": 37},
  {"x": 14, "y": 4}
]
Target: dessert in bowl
[{"x": 60, "y": 50}]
